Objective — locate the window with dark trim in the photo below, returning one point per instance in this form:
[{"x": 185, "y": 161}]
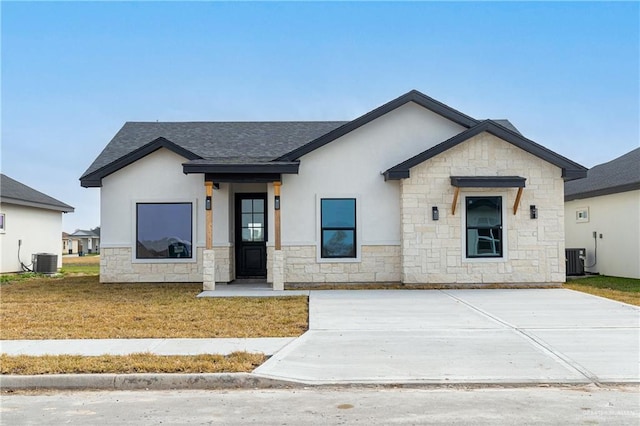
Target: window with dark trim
[
  {"x": 484, "y": 227},
  {"x": 2, "y": 222},
  {"x": 164, "y": 230},
  {"x": 338, "y": 227}
]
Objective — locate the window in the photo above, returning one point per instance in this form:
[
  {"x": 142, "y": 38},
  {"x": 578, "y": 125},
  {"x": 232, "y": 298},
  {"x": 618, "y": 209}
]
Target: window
[
  {"x": 338, "y": 227},
  {"x": 1, "y": 222},
  {"x": 582, "y": 215},
  {"x": 484, "y": 226},
  {"x": 164, "y": 230},
  {"x": 253, "y": 222}
]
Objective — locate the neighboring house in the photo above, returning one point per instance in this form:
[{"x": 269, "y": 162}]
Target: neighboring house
[
  {"x": 413, "y": 192},
  {"x": 87, "y": 241},
  {"x": 602, "y": 215},
  {"x": 69, "y": 245},
  {"x": 30, "y": 222}
]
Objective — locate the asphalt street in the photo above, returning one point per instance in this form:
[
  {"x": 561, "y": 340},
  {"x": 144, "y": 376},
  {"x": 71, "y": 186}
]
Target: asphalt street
[{"x": 329, "y": 406}]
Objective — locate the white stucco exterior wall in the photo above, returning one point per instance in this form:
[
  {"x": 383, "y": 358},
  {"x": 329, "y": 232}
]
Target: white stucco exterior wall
[
  {"x": 351, "y": 166},
  {"x": 158, "y": 177},
  {"x": 39, "y": 229},
  {"x": 617, "y": 218}
]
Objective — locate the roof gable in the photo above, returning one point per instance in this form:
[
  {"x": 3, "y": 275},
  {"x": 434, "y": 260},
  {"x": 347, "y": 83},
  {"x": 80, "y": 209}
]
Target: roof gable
[
  {"x": 412, "y": 96},
  {"x": 570, "y": 169},
  {"x": 94, "y": 179},
  {"x": 618, "y": 175},
  {"x": 14, "y": 192}
]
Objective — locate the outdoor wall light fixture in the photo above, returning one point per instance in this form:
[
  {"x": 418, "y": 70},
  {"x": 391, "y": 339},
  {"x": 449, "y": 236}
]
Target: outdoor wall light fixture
[
  {"x": 533, "y": 212},
  {"x": 434, "y": 213},
  {"x": 276, "y": 202},
  {"x": 207, "y": 203}
]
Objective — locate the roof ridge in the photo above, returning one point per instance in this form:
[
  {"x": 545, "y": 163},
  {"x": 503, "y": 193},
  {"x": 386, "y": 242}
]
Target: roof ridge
[{"x": 236, "y": 121}]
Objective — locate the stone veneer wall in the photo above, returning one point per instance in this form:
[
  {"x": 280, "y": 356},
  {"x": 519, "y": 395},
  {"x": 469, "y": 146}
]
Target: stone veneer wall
[
  {"x": 433, "y": 251},
  {"x": 378, "y": 264},
  {"x": 270, "y": 253},
  {"x": 225, "y": 264},
  {"x": 116, "y": 266}
]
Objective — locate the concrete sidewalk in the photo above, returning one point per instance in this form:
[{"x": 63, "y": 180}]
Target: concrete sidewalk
[{"x": 94, "y": 347}]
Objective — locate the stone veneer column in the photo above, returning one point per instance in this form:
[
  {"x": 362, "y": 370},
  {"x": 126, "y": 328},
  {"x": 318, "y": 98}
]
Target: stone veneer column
[
  {"x": 278, "y": 270},
  {"x": 208, "y": 269}
]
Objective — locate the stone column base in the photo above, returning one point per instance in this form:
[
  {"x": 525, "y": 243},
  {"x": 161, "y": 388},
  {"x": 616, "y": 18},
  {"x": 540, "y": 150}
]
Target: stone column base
[
  {"x": 278, "y": 270},
  {"x": 208, "y": 269}
]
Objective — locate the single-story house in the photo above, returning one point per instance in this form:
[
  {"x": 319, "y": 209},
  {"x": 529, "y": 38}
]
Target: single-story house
[
  {"x": 602, "y": 216},
  {"x": 30, "y": 223},
  {"x": 87, "y": 240},
  {"x": 69, "y": 246},
  {"x": 412, "y": 192}
]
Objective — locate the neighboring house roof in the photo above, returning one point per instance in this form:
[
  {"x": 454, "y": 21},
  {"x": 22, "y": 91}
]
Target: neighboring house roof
[
  {"x": 570, "y": 169},
  {"x": 65, "y": 235},
  {"x": 83, "y": 233},
  {"x": 619, "y": 175},
  {"x": 226, "y": 151},
  {"x": 14, "y": 192}
]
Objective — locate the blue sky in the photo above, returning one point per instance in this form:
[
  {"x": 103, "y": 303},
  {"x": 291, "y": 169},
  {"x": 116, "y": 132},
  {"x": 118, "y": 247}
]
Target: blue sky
[{"x": 566, "y": 74}]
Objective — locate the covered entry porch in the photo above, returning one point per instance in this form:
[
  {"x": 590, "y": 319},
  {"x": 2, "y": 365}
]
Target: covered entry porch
[{"x": 247, "y": 233}]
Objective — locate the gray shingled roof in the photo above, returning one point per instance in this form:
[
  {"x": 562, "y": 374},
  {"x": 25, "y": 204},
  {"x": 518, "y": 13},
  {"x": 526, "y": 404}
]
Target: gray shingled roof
[
  {"x": 229, "y": 149},
  {"x": 250, "y": 141},
  {"x": 507, "y": 124},
  {"x": 14, "y": 192},
  {"x": 619, "y": 175}
]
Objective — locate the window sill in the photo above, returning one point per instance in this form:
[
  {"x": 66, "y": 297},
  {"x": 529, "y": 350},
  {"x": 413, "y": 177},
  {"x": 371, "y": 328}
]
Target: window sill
[
  {"x": 484, "y": 259},
  {"x": 339, "y": 260},
  {"x": 167, "y": 260}
]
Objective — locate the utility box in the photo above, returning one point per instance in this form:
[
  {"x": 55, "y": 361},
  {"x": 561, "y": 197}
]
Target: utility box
[
  {"x": 575, "y": 260},
  {"x": 45, "y": 263}
]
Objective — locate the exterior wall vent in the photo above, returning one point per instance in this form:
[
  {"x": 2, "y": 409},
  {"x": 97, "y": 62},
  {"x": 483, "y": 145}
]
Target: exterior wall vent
[
  {"x": 575, "y": 260},
  {"x": 45, "y": 263}
]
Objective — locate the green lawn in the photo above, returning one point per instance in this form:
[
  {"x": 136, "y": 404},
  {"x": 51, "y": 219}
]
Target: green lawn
[
  {"x": 80, "y": 269},
  {"x": 622, "y": 289}
]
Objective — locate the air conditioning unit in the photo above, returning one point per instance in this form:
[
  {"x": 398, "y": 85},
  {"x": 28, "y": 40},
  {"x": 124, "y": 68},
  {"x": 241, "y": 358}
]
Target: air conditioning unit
[
  {"x": 575, "y": 260},
  {"x": 45, "y": 263}
]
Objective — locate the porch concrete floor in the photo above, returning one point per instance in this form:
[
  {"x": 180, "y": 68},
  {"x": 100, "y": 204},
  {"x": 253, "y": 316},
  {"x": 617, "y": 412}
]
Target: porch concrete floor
[{"x": 249, "y": 288}]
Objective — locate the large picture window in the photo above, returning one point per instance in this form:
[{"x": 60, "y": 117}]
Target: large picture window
[
  {"x": 164, "y": 230},
  {"x": 484, "y": 226},
  {"x": 338, "y": 223}
]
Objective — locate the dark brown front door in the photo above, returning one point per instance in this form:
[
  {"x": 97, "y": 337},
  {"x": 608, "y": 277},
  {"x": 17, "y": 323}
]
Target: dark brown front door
[{"x": 251, "y": 235}]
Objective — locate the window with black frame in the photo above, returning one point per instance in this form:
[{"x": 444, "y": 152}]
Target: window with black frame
[
  {"x": 338, "y": 227},
  {"x": 164, "y": 230},
  {"x": 484, "y": 227}
]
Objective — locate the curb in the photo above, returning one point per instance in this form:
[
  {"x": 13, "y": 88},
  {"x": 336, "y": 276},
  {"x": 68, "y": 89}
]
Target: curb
[{"x": 148, "y": 381}]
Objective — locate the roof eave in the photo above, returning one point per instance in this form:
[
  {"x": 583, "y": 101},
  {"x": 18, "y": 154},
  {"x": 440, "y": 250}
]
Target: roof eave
[
  {"x": 573, "y": 174},
  {"x": 94, "y": 179},
  {"x": 289, "y": 168},
  {"x": 59, "y": 208},
  {"x": 570, "y": 170},
  {"x": 603, "y": 191}
]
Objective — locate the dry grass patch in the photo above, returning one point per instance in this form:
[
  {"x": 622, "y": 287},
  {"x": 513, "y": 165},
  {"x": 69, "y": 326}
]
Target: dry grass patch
[
  {"x": 81, "y": 260},
  {"x": 237, "y": 362},
  {"x": 80, "y": 307}
]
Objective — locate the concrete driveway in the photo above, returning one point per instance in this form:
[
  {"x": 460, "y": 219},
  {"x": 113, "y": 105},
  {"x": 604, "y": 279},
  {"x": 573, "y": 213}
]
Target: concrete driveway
[{"x": 462, "y": 336}]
